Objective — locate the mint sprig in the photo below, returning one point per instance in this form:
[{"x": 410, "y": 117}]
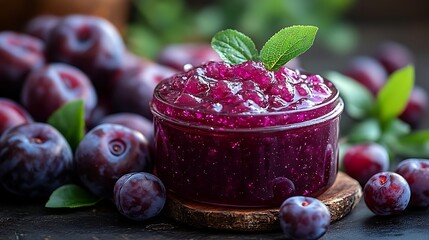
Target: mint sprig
[
  {"x": 287, "y": 44},
  {"x": 234, "y": 47}
]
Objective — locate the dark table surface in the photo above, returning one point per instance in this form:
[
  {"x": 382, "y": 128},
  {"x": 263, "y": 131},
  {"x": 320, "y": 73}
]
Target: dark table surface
[{"x": 33, "y": 221}]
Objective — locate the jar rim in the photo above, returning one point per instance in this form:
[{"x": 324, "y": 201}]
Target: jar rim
[{"x": 335, "y": 112}]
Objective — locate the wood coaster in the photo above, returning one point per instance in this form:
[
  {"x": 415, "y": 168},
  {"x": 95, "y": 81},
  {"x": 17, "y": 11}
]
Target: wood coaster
[{"x": 341, "y": 198}]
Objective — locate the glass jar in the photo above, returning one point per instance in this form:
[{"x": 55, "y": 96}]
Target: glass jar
[{"x": 246, "y": 160}]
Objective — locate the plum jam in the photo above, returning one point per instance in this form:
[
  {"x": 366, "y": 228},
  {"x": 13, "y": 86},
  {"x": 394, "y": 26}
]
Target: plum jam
[{"x": 243, "y": 136}]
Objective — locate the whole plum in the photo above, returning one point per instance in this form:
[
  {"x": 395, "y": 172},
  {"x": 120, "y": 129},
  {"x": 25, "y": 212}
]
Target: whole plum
[
  {"x": 35, "y": 159},
  {"x": 368, "y": 72},
  {"x": 139, "y": 196},
  {"x": 90, "y": 43},
  {"x": 12, "y": 114},
  {"x": 387, "y": 193},
  {"x": 178, "y": 55},
  {"x": 304, "y": 218},
  {"x": 134, "y": 90},
  {"x": 133, "y": 121},
  {"x": 19, "y": 55},
  {"x": 416, "y": 172},
  {"x": 107, "y": 152},
  {"x": 42, "y": 26},
  {"x": 49, "y": 88}
]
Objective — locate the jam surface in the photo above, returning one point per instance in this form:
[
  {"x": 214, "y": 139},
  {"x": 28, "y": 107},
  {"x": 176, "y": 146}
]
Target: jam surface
[
  {"x": 244, "y": 136},
  {"x": 246, "y": 88}
]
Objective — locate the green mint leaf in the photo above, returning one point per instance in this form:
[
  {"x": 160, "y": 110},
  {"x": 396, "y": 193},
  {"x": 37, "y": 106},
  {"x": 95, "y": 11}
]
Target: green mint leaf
[
  {"x": 71, "y": 196},
  {"x": 234, "y": 47},
  {"x": 368, "y": 130},
  {"x": 393, "y": 97},
  {"x": 287, "y": 44},
  {"x": 359, "y": 102},
  {"x": 69, "y": 120}
]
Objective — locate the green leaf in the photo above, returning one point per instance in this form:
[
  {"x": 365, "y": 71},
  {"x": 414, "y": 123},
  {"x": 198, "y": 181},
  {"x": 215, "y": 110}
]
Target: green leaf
[
  {"x": 366, "y": 131},
  {"x": 69, "y": 120},
  {"x": 234, "y": 47},
  {"x": 393, "y": 97},
  {"x": 71, "y": 196},
  {"x": 287, "y": 44},
  {"x": 414, "y": 145},
  {"x": 393, "y": 130},
  {"x": 359, "y": 102}
]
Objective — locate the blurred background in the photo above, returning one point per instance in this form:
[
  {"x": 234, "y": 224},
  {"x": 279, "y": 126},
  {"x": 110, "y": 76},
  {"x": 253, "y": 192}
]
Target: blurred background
[
  {"x": 148, "y": 25},
  {"x": 347, "y": 27}
]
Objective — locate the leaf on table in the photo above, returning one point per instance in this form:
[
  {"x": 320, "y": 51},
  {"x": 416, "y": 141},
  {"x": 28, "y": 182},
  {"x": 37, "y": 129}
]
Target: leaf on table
[{"x": 71, "y": 196}]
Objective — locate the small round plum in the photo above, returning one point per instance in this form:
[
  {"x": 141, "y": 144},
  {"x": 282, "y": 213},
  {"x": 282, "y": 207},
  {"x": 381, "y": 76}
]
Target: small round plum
[
  {"x": 139, "y": 196},
  {"x": 368, "y": 72},
  {"x": 19, "y": 55},
  {"x": 133, "y": 121},
  {"x": 107, "y": 152},
  {"x": 304, "y": 218},
  {"x": 49, "y": 88},
  {"x": 178, "y": 55},
  {"x": 393, "y": 56},
  {"x": 42, "y": 26},
  {"x": 90, "y": 43},
  {"x": 416, "y": 172},
  {"x": 35, "y": 159},
  {"x": 416, "y": 107},
  {"x": 387, "y": 193},
  {"x": 12, "y": 114},
  {"x": 362, "y": 161},
  {"x": 134, "y": 90}
]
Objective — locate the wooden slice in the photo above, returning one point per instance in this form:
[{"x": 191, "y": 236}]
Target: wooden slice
[{"x": 341, "y": 198}]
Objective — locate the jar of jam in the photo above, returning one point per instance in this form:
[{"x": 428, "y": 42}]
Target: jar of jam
[{"x": 243, "y": 136}]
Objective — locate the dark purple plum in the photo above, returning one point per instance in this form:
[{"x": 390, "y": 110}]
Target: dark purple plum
[
  {"x": 416, "y": 107},
  {"x": 387, "y": 193},
  {"x": 368, "y": 72},
  {"x": 178, "y": 55},
  {"x": 139, "y": 196},
  {"x": 393, "y": 56},
  {"x": 362, "y": 161},
  {"x": 19, "y": 55},
  {"x": 416, "y": 172},
  {"x": 35, "y": 159},
  {"x": 133, "y": 121},
  {"x": 304, "y": 218},
  {"x": 49, "y": 88},
  {"x": 42, "y": 26},
  {"x": 12, "y": 114},
  {"x": 134, "y": 90},
  {"x": 90, "y": 43},
  {"x": 106, "y": 153}
]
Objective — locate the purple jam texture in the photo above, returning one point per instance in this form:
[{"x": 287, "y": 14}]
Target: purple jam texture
[{"x": 245, "y": 136}]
